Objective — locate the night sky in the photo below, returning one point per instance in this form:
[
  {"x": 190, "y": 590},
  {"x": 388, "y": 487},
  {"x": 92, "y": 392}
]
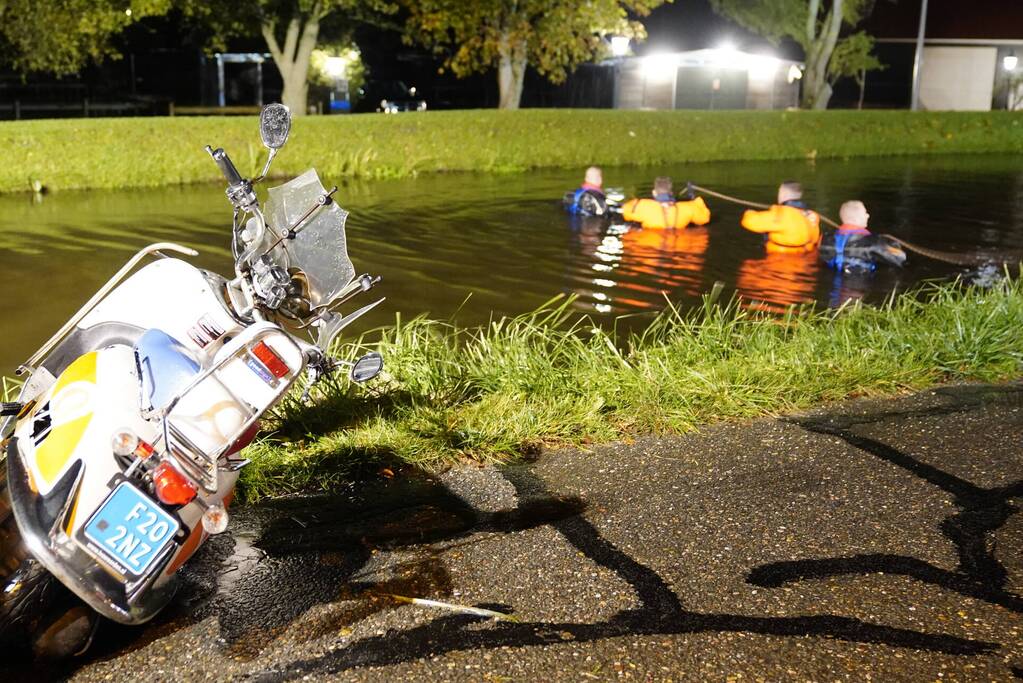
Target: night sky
[
  {"x": 693, "y": 25},
  {"x": 165, "y": 57}
]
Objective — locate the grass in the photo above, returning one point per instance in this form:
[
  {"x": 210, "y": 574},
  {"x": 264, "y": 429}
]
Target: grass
[
  {"x": 497, "y": 392},
  {"x": 150, "y": 152}
]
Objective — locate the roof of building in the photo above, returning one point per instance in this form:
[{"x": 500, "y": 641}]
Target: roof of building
[{"x": 956, "y": 20}]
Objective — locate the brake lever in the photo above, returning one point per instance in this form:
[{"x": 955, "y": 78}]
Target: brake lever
[{"x": 317, "y": 369}]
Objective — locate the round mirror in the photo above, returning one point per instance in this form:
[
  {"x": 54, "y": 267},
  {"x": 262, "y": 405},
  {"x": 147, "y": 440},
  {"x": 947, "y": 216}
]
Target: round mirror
[
  {"x": 274, "y": 125},
  {"x": 367, "y": 367}
]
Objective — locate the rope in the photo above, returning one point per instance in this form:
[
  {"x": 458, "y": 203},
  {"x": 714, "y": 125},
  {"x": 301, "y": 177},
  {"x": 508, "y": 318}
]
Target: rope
[
  {"x": 975, "y": 259},
  {"x": 752, "y": 205}
]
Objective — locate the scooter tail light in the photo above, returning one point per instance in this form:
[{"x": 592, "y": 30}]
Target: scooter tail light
[
  {"x": 171, "y": 486},
  {"x": 270, "y": 359},
  {"x": 125, "y": 443}
]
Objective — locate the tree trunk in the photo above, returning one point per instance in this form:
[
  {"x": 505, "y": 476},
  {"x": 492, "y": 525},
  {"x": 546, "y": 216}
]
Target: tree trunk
[
  {"x": 819, "y": 46},
  {"x": 862, "y": 81},
  {"x": 293, "y": 59},
  {"x": 511, "y": 73}
]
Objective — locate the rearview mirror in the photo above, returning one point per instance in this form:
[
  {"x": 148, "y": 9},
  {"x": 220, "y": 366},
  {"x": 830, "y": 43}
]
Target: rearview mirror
[
  {"x": 274, "y": 125},
  {"x": 367, "y": 367}
]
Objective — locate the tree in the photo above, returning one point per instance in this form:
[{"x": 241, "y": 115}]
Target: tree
[
  {"x": 291, "y": 28},
  {"x": 853, "y": 57},
  {"x": 63, "y": 36},
  {"x": 814, "y": 24},
  {"x": 552, "y": 36}
]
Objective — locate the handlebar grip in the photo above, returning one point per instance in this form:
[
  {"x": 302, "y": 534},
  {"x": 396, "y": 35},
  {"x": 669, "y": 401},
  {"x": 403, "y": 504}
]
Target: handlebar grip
[{"x": 226, "y": 166}]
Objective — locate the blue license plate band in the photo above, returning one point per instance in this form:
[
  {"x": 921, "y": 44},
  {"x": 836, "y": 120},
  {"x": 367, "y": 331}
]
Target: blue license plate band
[{"x": 130, "y": 531}]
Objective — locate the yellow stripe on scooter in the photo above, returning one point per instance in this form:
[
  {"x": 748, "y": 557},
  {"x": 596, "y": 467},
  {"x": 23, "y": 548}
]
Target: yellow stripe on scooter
[
  {"x": 58, "y": 446},
  {"x": 83, "y": 369}
]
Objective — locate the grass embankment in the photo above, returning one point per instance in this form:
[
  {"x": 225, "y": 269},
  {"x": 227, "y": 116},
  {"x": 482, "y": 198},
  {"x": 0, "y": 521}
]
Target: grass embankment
[
  {"x": 496, "y": 392},
  {"x": 148, "y": 152}
]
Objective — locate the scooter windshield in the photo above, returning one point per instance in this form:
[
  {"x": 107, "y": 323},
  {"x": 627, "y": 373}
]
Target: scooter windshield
[{"x": 319, "y": 251}]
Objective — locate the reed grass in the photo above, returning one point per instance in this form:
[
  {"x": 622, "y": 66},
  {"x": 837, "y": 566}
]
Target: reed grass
[{"x": 547, "y": 379}]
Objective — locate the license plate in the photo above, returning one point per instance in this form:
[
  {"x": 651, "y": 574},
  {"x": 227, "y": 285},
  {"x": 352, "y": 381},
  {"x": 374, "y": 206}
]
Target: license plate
[{"x": 130, "y": 530}]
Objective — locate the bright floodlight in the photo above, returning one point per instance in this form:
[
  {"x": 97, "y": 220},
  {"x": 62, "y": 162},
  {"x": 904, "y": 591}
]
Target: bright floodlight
[
  {"x": 1010, "y": 61},
  {"x": 659, "y": 67},
  {"x": 762, "y": 67},
  {"x": 619, "y": 46},
  {"x": 336, "y": 66},
  {"x": 727, "y": 55}
]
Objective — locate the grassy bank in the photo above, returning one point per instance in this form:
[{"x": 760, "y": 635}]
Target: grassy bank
[
  {"x": 147, "y": 152},
  {"x": 494, "y": 393}
]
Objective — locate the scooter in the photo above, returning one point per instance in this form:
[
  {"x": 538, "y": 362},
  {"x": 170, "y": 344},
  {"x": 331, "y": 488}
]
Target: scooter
[{"x": 124, "y": 445}]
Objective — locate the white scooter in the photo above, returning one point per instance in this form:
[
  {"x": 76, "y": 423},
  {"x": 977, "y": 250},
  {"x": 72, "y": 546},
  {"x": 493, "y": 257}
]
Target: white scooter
[{"x": 122, "y": 451}]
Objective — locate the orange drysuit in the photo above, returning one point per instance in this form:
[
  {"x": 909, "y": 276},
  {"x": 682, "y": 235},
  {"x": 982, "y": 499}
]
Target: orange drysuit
[
  {"x": 788, "y": 228},
  {"x": 653, "y": 214}
]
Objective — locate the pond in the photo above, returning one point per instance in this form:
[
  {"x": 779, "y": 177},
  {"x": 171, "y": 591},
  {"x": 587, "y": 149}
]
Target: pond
[{"x": 475, "y": 246}]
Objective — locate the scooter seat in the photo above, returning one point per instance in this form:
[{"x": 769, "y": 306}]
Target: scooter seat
[{"x": 165, "y": 368}]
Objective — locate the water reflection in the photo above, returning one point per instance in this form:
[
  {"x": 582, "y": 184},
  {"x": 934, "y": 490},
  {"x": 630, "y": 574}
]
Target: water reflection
[
  {"x": 481, "y": 245},
  {"x": 776, "y": 281}
]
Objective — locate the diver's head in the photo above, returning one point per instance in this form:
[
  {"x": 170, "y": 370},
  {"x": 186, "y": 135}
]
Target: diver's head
[
  {"x": 789, "y": 191},
  {"x": 855, "y": 213},
  {"x": 594, "y": 176},
  {"x": 662, "y": 189}
]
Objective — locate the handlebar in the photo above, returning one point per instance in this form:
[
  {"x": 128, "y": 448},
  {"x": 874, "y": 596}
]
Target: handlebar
[{"x": 231, "y": 174}]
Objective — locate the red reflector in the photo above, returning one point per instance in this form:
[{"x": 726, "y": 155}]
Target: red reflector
[
  {"x": 143, "y": 450},
  {"x": 171, "y": 486},
  {"x": 270, "y": 359}
]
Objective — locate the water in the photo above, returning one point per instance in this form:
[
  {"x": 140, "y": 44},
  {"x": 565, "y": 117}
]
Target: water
[{"x": 473, "y": 246}]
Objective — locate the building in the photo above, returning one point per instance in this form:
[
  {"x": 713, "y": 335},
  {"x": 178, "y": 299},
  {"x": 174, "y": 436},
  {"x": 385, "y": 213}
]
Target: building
[
  {"x": 971, "y": 58},
  {"x": 706, "y": 79}
]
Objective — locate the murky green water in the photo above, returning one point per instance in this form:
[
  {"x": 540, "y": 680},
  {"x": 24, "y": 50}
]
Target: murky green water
[{"x": 477, "y": 245}]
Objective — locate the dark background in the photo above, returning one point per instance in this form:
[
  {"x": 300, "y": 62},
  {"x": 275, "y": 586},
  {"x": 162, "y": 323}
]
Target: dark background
[{"x": 164, "y": 61}]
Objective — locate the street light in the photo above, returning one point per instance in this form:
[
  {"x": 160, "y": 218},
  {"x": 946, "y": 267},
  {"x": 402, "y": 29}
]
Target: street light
[
  {"x": 1010, "y": 61},
  {"x": 619, "y": 46},
  {"x": 336, "y": 66}
]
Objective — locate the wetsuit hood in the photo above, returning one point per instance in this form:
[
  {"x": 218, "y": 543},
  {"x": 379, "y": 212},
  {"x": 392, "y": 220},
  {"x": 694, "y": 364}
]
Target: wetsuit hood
[
  {"x": 664, "y": 197},
  {"x": 795, "y": 203}
]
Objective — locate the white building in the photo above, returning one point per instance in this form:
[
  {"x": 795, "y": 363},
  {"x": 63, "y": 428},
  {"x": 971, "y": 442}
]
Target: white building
[{"x": 706, "y": 79}]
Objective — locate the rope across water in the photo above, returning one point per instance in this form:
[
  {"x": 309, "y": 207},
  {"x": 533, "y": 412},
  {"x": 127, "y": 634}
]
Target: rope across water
[{"x": 974, "y": 259}]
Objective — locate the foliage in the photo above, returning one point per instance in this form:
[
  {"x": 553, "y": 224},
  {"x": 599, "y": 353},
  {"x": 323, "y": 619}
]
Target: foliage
[
  {"x": 355, "y": 69},
  {"x": 550, "y": 35},
  {"x": 121, "y": 153},
  {"x": 852, "y": 57},
  {"x": 291, "y": 28},
  {"x": 499, "y": 391},
  {"x": 815, "y": 25},
  {"x": 63, "y": 36},
  {"x": 777, "y": 19}
]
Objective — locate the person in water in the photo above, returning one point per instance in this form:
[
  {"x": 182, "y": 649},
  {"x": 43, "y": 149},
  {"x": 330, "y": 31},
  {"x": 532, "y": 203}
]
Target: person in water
[
  {"x": 854, "y": 248},
  {"x": 589, "y": 198},
  {"x": 664, "y": 211},
  {"x": 788, "y": 226}
]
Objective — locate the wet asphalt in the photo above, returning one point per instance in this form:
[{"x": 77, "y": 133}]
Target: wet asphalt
[{"x": 875, "y": 540}]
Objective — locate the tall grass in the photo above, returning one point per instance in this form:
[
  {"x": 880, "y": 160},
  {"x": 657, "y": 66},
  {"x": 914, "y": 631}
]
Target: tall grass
[{"x": 500, "y": 391}]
